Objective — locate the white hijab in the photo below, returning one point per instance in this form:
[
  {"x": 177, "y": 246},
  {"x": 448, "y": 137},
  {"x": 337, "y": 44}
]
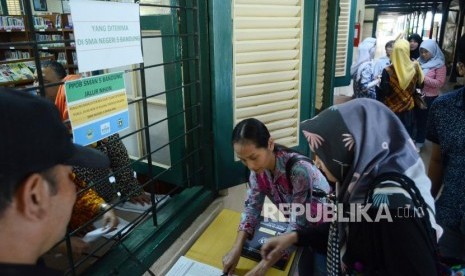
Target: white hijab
[
  {"x": 366, "y": 52},
  {"x": 437, "y": 57}
]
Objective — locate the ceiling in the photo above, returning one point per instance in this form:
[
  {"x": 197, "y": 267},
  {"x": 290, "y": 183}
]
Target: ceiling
[{"x": 408, "y": 6}]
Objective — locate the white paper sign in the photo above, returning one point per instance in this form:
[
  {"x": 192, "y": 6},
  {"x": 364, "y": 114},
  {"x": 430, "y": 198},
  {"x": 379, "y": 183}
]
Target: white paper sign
[{"x": 107, "y": 34}]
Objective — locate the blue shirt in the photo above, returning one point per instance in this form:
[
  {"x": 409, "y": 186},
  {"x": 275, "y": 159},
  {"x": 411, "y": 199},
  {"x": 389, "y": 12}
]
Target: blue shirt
[{"x": 446, "y": 127}]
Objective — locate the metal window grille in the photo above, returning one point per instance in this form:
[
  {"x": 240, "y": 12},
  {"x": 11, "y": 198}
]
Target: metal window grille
[{"x": 180, "y": 97}]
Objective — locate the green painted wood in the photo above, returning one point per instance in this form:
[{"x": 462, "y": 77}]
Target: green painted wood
[
  {"x": 4, "y": 7},
  {"x": 344, "y": 81},
  {"x": 167, "y": 25},
  {"x": 205, "y": 96},
  {"x": 227, "y": 172},
  {"x": 309, "y": 66},
  {"x": 146, "y": 243},
  {"x": 330, "y": 61}
]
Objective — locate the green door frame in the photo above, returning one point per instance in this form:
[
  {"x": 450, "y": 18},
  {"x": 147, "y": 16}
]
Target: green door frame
[
  {"x": 331, "y": 47},
  {"x": 174, "y": 99},
  {"x": 228, "y": 172},
  {"x": 345, "y": 80}
]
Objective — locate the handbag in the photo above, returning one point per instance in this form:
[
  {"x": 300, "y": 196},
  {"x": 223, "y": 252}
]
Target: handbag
[{"x": 419, "y": 100}]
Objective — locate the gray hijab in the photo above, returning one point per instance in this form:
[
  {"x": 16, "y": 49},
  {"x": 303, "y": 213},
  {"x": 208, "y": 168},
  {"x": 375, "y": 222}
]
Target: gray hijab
[{"x": 358, "y": 141}]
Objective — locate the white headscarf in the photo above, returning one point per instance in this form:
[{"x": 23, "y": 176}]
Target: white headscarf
[
  {"x": 437, "y": 57},
  {"x": 366, "y": 52}
]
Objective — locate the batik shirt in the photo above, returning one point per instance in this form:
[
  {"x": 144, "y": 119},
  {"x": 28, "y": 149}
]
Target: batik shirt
[
  {"x": 446, "y": 127},
  {"x": 120, "y": 167},
  {"x": 275, "y": 186},
  {"x": 364, "y": 87}
]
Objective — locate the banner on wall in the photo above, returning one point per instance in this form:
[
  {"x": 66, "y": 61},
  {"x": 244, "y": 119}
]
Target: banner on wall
[
  {"x": 107, "y": 34},
  {"x": 97, "y": 107}
]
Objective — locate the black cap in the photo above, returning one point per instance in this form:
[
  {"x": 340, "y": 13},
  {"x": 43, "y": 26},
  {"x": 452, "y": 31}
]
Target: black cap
[{"x": 33, "y": 138}]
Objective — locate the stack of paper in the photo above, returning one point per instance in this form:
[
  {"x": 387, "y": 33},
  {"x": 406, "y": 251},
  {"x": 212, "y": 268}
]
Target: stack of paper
[
  {"x": 188, "y": 267},
  {"x": 100, "y": 231},
  {"x": 139, "y": 208}
]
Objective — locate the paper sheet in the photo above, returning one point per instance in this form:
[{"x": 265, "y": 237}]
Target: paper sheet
[
  {"x": 102, "y": 232},
  {"x": 188, "y": 267}
]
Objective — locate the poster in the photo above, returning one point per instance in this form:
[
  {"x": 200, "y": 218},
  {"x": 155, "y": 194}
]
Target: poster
[
  {"x": 106, "y": 39},
  {"x": 97, "y": 107}
]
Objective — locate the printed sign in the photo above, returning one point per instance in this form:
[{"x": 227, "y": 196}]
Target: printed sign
[
  {"x": 97, "y": 107},
  {"x": 107, "y": 34}
]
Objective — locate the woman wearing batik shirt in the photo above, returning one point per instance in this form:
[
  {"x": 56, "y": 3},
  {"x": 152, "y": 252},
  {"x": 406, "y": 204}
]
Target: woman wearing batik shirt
[
  {"x": 267, "y": 163},
  {"x": 363, "y": 81},
  {"x": 399, "y": 82}
]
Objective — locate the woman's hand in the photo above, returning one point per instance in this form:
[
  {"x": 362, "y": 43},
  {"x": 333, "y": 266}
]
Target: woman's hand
[
  {"x": 141, "y": 199},
  {"x": 460, "y": 68},
  {"x": 231, "y": 259},
  {"x": 274, "y": 247},
  {"x": 110, "y": 220},
  {"x": 78, "y": 247},
  {"x": 260, "y": 269}
]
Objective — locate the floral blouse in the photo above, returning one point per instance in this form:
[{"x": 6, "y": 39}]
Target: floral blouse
[{"x": 275, "y": 186}]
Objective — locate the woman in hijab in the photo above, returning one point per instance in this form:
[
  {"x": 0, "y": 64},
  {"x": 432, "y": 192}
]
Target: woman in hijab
[
  {"x": 399, "y": 82},
  {"x": 380, "y": 168},
  {"x": 364, "y": 83},
  {"x": 432, "y": 63},
  {"x": 414, "y": 40}
]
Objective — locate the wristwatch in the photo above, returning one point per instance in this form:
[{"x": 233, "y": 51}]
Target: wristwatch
[{"x": 104, "y": 206}]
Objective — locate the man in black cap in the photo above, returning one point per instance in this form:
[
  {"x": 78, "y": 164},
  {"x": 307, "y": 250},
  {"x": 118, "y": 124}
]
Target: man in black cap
[{"x": 37, "y": 192}]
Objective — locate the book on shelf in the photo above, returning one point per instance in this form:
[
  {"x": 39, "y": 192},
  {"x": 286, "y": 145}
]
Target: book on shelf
[
  {"x": 264, "y": 231},
  {"x": 11, "y": 72},
  {"x": 10, "y": 23},
  {"x": 70, "y": 21},
  {"x": 58, "y": 21}
]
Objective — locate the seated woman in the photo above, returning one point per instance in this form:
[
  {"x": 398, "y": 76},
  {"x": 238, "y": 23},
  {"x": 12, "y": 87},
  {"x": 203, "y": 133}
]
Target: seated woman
[
  {"x": 112, "y": 146},
  {"x": 364, "y": 148},
  {"x": 267, "y": 163}
]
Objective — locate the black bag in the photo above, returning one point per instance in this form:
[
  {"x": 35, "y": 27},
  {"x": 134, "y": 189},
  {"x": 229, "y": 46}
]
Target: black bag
[
  {"x": 419, "y": 100},
  {"x": 318, "y": 193}
]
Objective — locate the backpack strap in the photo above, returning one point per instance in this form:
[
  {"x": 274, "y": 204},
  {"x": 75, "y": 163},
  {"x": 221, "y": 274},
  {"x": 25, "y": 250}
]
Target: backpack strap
[
  {"x": 290, "y": 164},
  {"x": 408, "y": 185}
]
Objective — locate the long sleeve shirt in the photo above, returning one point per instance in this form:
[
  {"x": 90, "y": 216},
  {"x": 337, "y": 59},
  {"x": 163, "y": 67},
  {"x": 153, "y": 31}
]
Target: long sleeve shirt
[
  {"x": 275, "y": 186},
  {"x": 434, "y": 80}
]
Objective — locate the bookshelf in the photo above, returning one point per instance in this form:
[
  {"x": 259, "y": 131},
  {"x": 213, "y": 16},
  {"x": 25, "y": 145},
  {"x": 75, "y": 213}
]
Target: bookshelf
[{"x": 52, "y": 29}]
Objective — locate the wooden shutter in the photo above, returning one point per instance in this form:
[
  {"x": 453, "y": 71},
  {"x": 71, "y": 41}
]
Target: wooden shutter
[
  {"x": 343, "y": 33},
  {"x": 267, "y": 59},
  {"x": 320, "y": 71}
]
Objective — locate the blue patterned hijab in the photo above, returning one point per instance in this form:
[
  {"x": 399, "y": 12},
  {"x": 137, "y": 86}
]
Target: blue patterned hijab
[{"x": 358, "y": 141}]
